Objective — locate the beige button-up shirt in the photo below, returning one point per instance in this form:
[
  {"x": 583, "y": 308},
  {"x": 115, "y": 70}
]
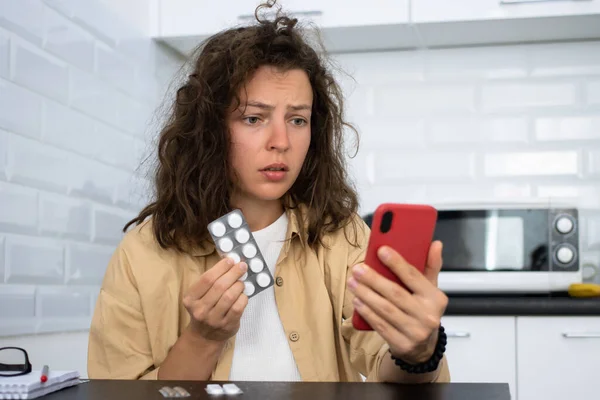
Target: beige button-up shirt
[{"x": 139, "y": 313}]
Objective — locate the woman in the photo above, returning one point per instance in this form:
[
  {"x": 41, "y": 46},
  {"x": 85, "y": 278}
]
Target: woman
[{"x": 258, "y": 126}]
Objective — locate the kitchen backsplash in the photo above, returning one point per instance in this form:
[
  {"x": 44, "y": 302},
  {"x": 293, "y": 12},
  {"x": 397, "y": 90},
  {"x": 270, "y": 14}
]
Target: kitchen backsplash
[
  {"x": 503, "y": 123},
  {"x": 78, "y": 88}
]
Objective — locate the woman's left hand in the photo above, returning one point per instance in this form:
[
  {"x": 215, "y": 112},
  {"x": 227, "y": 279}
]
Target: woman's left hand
[{"x": 408, "y": 320}]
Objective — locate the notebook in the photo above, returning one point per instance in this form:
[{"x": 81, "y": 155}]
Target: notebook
[{"x": 29, "y": 386}]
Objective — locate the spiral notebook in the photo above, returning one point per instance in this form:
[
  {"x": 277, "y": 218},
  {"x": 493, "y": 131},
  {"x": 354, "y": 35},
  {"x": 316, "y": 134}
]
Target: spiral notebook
[{"x": 29, "y": 386}]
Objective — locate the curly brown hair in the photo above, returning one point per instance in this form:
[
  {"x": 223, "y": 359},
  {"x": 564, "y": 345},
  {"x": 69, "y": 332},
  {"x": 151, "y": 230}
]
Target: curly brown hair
[{"x": 192, "y": 178}]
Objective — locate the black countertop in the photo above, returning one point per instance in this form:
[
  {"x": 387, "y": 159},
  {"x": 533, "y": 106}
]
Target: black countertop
[
  {"x": 551, "y": 305},
  {"x": 134, "y": 390}
]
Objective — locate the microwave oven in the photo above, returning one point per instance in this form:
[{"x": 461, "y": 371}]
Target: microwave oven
[{"x": 508, "y": 249}]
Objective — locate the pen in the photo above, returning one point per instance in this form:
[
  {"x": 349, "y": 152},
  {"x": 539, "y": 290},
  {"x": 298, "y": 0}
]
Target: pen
[{"x": 44, "y": 376}]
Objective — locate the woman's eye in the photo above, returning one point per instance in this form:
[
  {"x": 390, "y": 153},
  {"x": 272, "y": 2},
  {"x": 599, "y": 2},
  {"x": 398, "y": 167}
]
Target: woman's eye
[
  {"x": 252, "y": 120},
  {"x": 299, "y": 121}
]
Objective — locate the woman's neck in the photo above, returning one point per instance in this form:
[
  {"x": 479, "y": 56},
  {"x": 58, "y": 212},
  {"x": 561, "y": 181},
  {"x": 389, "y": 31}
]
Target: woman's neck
[{"x": 259, "y": 214}]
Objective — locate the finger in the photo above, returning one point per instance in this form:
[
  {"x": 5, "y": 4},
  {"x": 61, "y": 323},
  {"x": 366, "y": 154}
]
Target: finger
[
  {"x": 387, "y": 331},
  {"x": 434, "y": 262},
  {"x": 227, "y": 300},
  {"x": 380, "y": 306},
  {"x": 221, "y": 285},
  {"x": 388, "y": 289},
  {"x": 236, "y": 310},
  {"x": 411, "y": 277},
  {"x": 199, "y": 288}
]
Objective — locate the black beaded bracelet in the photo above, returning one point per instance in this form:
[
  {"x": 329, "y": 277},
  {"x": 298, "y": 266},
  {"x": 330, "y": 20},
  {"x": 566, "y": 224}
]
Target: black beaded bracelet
[{"x": 429, "y": 365}]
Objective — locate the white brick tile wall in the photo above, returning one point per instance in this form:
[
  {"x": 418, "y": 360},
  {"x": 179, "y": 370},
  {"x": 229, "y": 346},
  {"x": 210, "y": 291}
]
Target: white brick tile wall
[
  {"x": 133, "y": 192},
  {"x": 99, "y": 20},
  {"x": 508, "y": 129},
  {"x": 498, "y": 96},
  {"x": 397, "y": 167},
  {"x": 575, "y": 59},
  {"x": 593, "y": 92},
  {"x": 576, "y": 193},
  {"x": 17, "y": 301},
  {"x": 79, "y": 82},
  {"x": 35, "y": 164},
  {"x": 69, "y": 129},
  {"x": 394, "y": 100},
  {"x": 62, "y": 301},
  {"x": 86, "y": 263},
  {"x": 24, "y": 18},
  {"x": 532, "y": 163},
  {"x": 567, "y": 128},
  {"x": 92, "y": 96},
  {"x": 19, "y": 209},
  {"x": 1, "y": 261},
  {"x": 108, "y": 224},
  {"x": 477, "y": 63},
  {"x": 593, "y": 232},
  {"x": 113, "y": 67},
  {"x": 39, "y": 71},
  {"x": 401, "y": 131},
  {"x": 17, "y": 102},
  {"x": 34, "y": 260},
  {"x": 447, "y": 130},
  {"x": 114, "y": 147},
  {"x": 65, "y": 217},
  {"x": 4, "y": 54},
  {"x": 133, "y": 116},
  {"x": 67, "y": 40},
  {"x": 594, "y": 162},
  {"x": 3, "y": 154},
  {"x": 476, "y": 191},
  {"x": 94, "y": 180}
]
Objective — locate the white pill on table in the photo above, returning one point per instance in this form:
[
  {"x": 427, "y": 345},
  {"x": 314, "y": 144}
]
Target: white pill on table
[
  {"x": 234, "y": 220},
  {"x": 263, "y": 279},
  {"x": 242, "y": 236},
  {"x": 231, "y": 389},
  {"x": 225, "y": 244},
  {"x": 235, "y": 257},
  {"x": 256, "y": 265},
  {"x": 249, "y": 250},
  {"x": 214, "y": 389},
  {"x": 218, "y": 229},
  {"x": 249, "y": 288}
]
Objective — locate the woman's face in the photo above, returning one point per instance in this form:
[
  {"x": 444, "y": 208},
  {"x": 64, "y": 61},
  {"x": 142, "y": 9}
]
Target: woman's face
[{"x": 270, "y": 133}]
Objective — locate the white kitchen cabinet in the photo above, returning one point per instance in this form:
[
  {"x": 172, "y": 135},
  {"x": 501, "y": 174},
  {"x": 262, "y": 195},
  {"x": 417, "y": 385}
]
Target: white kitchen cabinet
[
  {"x": 481, "y": 10},
  {"x": 481, "y": 349},
  {"x": 348, "y": 25},
  {"x": 466, "y": 22},
  {"x": 558, "y": 357}
]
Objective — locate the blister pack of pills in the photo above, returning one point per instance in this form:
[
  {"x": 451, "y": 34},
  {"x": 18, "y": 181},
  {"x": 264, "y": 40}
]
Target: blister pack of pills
[{"x": 233, "y": 239}]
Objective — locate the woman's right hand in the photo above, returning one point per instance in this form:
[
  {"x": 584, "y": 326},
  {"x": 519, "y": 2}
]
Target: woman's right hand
[{"x": 216, "y": 302}]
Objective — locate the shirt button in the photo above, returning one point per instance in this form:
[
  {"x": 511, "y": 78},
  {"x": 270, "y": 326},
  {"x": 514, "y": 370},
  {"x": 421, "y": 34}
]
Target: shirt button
[
  {"x": 294, "y": 336},
  {"x": 279, "y": 281}
]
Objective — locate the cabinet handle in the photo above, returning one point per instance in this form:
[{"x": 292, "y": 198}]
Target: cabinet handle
[
  {"x": 458, "y": 334},
  {"x": 535, "y": 1},
  {"x": 314, "y": 13},
  {"x": 581, "y": 335}
]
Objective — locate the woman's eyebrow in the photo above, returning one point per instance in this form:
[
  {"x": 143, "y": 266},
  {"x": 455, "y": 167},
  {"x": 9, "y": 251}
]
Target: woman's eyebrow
[{"x": 264, "y": 106}]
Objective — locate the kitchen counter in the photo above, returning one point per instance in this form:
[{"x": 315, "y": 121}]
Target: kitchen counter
[{"x": 522, "y": 306}]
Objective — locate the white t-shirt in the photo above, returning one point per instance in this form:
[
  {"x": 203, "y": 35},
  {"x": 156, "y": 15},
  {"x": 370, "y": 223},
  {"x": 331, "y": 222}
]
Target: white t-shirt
[{"x": 262, "y": 351}]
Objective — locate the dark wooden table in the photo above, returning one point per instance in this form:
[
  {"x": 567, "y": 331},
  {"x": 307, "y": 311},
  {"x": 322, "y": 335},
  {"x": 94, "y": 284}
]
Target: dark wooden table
[{"x": 138, "y": 390}]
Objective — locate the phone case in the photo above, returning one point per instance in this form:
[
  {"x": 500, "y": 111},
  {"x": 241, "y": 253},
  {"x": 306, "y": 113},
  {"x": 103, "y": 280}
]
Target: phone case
[{"x": 410, "y": 233}]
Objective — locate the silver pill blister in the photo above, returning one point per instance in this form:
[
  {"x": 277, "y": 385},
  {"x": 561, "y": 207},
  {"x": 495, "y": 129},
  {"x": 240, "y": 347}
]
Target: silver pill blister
[{"x": 233, "y": 238}]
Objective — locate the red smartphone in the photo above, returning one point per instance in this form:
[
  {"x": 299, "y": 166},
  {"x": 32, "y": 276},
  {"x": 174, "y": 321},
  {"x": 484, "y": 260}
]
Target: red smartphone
[{"x": 408, "y": 229}]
